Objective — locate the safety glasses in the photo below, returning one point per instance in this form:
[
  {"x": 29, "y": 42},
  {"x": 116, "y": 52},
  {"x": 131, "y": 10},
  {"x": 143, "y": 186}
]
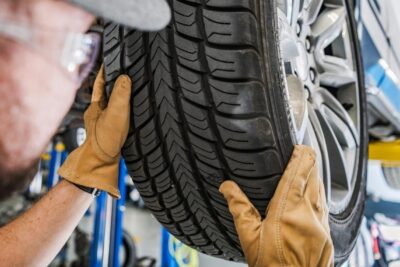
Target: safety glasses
[{"x": 75, "y": 53}]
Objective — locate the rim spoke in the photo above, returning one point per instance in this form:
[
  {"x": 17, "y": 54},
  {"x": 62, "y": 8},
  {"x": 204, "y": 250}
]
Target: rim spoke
[
  {"x": 342, "y": 131},
  {"x": 337, "y": 71},
  {"x": 298, "y": 104},
  {"x": 314, "y": 137},
  {"x": 291, "y": 9},
  {"x": 341, "y": 138},
  {"x": 312, "y": 9},
  {"x": 327, "y": 99},
  {"x": 288, "y": 42},
  {"x": 295, "y": 12},
  {"x": 340, "y": 178},
  {"x": 328, "y": 26}
]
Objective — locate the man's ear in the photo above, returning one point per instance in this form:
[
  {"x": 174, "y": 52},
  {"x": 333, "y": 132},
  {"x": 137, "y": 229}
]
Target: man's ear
[{"x": 12, "y": 182}]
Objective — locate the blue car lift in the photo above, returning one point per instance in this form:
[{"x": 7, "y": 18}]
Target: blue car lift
[{"x": 108, "y": 224}]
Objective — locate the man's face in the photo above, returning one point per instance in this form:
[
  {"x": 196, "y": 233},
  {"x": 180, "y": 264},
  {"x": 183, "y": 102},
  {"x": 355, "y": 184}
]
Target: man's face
[{"x": 35, "y": 92}]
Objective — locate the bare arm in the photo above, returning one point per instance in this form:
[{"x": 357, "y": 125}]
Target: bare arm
[{"x": 35, "y": 238}]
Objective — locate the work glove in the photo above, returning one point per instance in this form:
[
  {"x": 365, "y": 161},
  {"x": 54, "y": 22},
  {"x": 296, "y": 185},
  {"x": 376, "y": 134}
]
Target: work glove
[
  {"x": 95, "y": 163},
  {"x": 295, "y": 231}
]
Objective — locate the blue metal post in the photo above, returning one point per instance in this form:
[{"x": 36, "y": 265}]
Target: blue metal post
[
  {"x": 96, "y": 249},
  {"x": 118, "y": 218}
]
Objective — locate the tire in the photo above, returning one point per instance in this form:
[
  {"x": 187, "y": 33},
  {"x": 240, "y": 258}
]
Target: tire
[
  {"x": 209, "y": 104},
  {"x": 129, "y": 248},
  {"x": 74, "y": 136}
]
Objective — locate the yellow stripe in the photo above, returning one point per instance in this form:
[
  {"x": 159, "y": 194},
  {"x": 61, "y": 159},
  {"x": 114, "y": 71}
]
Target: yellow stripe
[{"x": 385, "y": 151}]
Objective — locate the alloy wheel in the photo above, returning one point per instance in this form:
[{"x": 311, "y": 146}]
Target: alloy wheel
[{"x": 323, "y": 90}]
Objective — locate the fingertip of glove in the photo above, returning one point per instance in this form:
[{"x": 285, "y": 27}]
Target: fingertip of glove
[
  {"x": 229, "y": 189},
  {"x": 124, "y": 81},
  {"x": 116, "y": 197},
  {"x": 121, "y": 94},
  {"x": 304, "y": 150},
  {"x": 226, "y": 185}
]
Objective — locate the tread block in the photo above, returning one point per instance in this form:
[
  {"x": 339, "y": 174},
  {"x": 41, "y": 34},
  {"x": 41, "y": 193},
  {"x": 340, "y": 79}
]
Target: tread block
[
  {"x": 257, "y": 165},
  {"x": 134, "y": 47},
  {"x": 148, "y": 138},
  {"x": 192, "y": 86},
  {"x": 137, "y": 74},
  {"x": 142, "y": 108},
  {"x": 156, "y": 163},
  {"x": 246, "y": 134},
  {"x": 248, "y": 4},
  {"x": 112, "y": 60},
  {"x": 111, "y": 36},
  {"x": 234, "y": 64},
  {"x": 153, "y": 204},
  {"x": 210, "y": 174},
  {"x": 197, "y": 120},
  {"x": 231, "y": 28},
  {"x": 171, "y": 198},
  {"x": 129, "y": 150},
  {"x": 239, "y": 98},
  {"x": 188, "y": 53},
  {"x": 180, "y": 213},
  {"x": 145, "y": 188},
  {"x": 205, "y": 151},
  {"x": 186, "y": 17},
  {"x": 137, "y": 171},
  {"x": 163, "y": 181},
  {"x": 258, "y": 189}
]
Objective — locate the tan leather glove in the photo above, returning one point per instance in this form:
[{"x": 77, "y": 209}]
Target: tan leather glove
[
  {"x": 95, "y": 163},
  {"x": 295, "y": 231}
]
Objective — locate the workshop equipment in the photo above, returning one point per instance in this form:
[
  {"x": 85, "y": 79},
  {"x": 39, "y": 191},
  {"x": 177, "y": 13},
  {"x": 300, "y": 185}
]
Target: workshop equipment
[
  {"x": 385, "y": 151},
  {"x": 176, "y": 254}
]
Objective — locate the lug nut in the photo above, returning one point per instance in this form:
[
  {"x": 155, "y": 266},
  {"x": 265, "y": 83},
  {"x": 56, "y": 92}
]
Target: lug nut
[
  {"x": 298, "y": 28},
  {"x": 308, "y": 44},
  {"x": 312, "y": 75},
  {"x": 307, "y": 92}
]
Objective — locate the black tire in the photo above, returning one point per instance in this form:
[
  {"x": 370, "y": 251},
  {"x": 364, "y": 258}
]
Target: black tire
[
  {"x": 130, "y": 250},
  {"x": 208, "y": 105},
  {"x": 72, "y": 137}
]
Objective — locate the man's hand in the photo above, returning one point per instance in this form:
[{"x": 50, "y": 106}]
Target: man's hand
[
  {"x": 295, "y": 231},
  {"x": 95, "y": 163}
]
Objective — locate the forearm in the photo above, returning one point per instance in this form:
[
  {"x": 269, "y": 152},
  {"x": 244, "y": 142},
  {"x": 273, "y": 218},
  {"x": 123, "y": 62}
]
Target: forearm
[{"x": 36, "y": 237}]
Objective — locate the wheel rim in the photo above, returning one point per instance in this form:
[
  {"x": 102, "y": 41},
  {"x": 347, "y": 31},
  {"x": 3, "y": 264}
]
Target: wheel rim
[{"x": 323, "y": 89}]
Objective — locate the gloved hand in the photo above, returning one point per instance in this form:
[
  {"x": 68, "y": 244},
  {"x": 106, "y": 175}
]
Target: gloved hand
[
  {"x": 295, "y": 231},
  {"x": 95, "y": 163}
]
